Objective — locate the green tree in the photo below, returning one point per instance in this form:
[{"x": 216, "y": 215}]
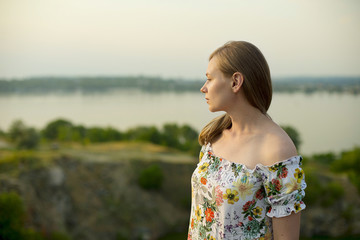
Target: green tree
[
  {"x": 58, "y": 129},
  {"x": 2, "y": 133},
  {"x": 149, "y": 134},
  {"x": 23, "y": 136},
  {"x": 349, "y": 162},
  {"x": 78, "y": 133},
  {"x": 293, "y": 134},
  {"x": 170, "y": 135},
  {"x": 189, "y": 140},
  {"x": 96, "y": 134}
]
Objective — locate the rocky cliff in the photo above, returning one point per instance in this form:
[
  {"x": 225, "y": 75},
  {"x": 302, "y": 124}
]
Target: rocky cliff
[{"x": 93, "y": 193}]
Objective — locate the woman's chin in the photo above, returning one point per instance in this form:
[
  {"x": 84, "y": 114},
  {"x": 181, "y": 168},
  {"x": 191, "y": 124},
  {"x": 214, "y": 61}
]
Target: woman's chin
[{"x": 212, "y": 109}]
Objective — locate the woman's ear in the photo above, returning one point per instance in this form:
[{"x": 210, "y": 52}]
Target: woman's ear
[{"x": 237, "y": 81}]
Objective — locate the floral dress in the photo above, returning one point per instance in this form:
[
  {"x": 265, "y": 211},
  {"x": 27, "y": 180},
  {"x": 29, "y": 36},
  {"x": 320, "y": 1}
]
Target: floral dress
[{"x": 230, "y": 201}]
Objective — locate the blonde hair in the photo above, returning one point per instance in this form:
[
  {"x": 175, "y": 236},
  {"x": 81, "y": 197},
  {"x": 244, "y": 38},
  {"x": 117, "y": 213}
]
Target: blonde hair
[{"x": 243, "y": 57}]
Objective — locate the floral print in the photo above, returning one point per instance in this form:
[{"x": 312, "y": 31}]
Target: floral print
[
  {"x": 231, "y": 201},
  {"x": 231, "y": 196}
]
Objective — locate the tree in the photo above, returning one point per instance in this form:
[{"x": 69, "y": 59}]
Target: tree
[
  {"x": 150, "y": 134},
  {"x": 55, "y": 129},
  {"x": 170, "y": 135},
  {"x": 23, "y": 136},
  {"x": 349, "y": 162}
]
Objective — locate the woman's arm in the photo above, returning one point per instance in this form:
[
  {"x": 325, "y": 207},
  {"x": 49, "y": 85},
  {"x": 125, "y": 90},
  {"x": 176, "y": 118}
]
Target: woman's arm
[{"x": 287, "y": 228}]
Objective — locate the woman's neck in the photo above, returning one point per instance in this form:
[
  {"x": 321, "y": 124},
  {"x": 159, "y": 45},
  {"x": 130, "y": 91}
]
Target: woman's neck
[{"x": 246, "y": 120}]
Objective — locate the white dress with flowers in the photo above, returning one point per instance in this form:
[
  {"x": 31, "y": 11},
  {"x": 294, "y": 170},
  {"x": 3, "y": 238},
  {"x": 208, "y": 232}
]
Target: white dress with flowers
[{"x": 230, "y": 201}]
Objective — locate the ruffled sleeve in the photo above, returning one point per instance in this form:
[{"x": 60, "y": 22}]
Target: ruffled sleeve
[{"x": 284, "y": 184}]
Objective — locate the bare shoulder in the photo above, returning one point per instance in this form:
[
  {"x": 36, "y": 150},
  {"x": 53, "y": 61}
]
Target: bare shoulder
[{"x": 276, "y": 146}]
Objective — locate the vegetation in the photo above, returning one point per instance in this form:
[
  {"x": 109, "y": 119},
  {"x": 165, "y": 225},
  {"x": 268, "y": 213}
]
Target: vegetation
[
  {"x": 22, "y": 136},
  {"x": 156, "y": 84},
  {"x": 151, "y": 177},
  {"x": 12, "y": 221},
  {"x": 324, "y": 173},
  {"x": 183, "y": 138},
  {"x": 349, "y": 163}
]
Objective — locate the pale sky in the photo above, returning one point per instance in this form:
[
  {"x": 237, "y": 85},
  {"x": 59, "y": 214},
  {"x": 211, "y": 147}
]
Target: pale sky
[{"x": 173, "y": 38}]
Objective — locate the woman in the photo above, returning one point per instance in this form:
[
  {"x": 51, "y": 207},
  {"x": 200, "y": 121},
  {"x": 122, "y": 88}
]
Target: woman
[{"x": 248, "y": 183}]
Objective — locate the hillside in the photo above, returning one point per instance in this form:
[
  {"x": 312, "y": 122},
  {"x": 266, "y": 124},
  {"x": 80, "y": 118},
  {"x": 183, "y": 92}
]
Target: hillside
[{"x": 93, "y": 192}]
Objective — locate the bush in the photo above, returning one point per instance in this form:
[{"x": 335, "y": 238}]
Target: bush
[
  {"x": 332, "y": 192},
  {"x": 22, "y": 136},
  {"x": 148, "y": 134},
  {"x": 11, "y": 217},
  {"x": 349, "y": 163},
  {"x": 151, "y": 177},
  {"x": 314, "y": 189},
  {"x": 326, "y": 158},
  {"x": 19, "y": 160},
  {"x": 58, "y": 129}
]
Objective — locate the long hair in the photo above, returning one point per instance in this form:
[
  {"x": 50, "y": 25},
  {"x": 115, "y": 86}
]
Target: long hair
[{"x": 243, "y": 57}]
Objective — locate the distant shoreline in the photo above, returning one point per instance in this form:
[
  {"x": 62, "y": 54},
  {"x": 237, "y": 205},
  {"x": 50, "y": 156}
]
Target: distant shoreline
[{"x": 39, "y": 85}]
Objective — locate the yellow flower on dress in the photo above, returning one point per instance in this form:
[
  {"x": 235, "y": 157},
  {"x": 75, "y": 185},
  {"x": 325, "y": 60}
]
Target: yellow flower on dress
[
  {"x": 203, "y": 168},
  {"x": 257, "y": 211},
  {"x": 245, "y": 188},
  {"x": 297, "y": 207},
  {"x": 231, "y": 196},
  {"x": 299, "y": 174},
  {"x": 198, "y": 213},
  {"x": 212, "y": 238},
  {"x": 292, "y": 186},
  {"x": 201, "y": 155},
  {"x": 273, "y": 168}
]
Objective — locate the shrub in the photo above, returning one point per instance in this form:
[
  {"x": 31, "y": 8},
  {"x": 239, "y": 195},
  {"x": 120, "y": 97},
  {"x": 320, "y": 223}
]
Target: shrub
[
  {"x": 332, "y": 192},
  {"x": 349, "y": 162},
  {"x": 314, "y": 189},
  {"x": 11, "y": 217},
  {"x": 151, "y": 177},
  {"x": 12, "y": 214},
  {"x": 58, "y": 129},
  {"x": 22, "y": 136}
]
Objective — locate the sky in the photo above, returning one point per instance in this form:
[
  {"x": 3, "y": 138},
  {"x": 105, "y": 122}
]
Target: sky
[{"x": 174, "y": 38}]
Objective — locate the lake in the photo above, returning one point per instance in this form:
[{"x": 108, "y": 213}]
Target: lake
[{"x": 326, "y": 122}]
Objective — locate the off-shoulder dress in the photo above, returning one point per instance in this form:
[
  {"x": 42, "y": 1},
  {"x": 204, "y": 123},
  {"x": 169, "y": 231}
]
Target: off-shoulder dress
[{"x": 230, "y": 201}]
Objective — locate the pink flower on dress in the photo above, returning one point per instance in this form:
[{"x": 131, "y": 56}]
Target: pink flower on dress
[
  {"x": 248, "y": 204},
  {"x": 284, "y": 172},
  {"x": 260, "y": 193},
  {"x": 276, "y": 184},
  {"x": 219, "y": 196}
]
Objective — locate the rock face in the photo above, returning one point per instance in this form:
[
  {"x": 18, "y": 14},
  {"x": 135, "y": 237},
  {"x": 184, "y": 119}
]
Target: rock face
[
  {"x": 92, "y": 200},
  {"x": 102, "y": 200}
]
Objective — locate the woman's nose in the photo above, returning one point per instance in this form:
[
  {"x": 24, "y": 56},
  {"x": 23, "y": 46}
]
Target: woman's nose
[{"x": 203, "y": 89}]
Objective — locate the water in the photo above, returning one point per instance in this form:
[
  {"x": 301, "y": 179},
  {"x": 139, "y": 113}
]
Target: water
[{"x": 326, "y": 122}]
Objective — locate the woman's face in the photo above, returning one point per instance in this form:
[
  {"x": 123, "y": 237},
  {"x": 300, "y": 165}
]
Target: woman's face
[{"x": 217, "y": 88}]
